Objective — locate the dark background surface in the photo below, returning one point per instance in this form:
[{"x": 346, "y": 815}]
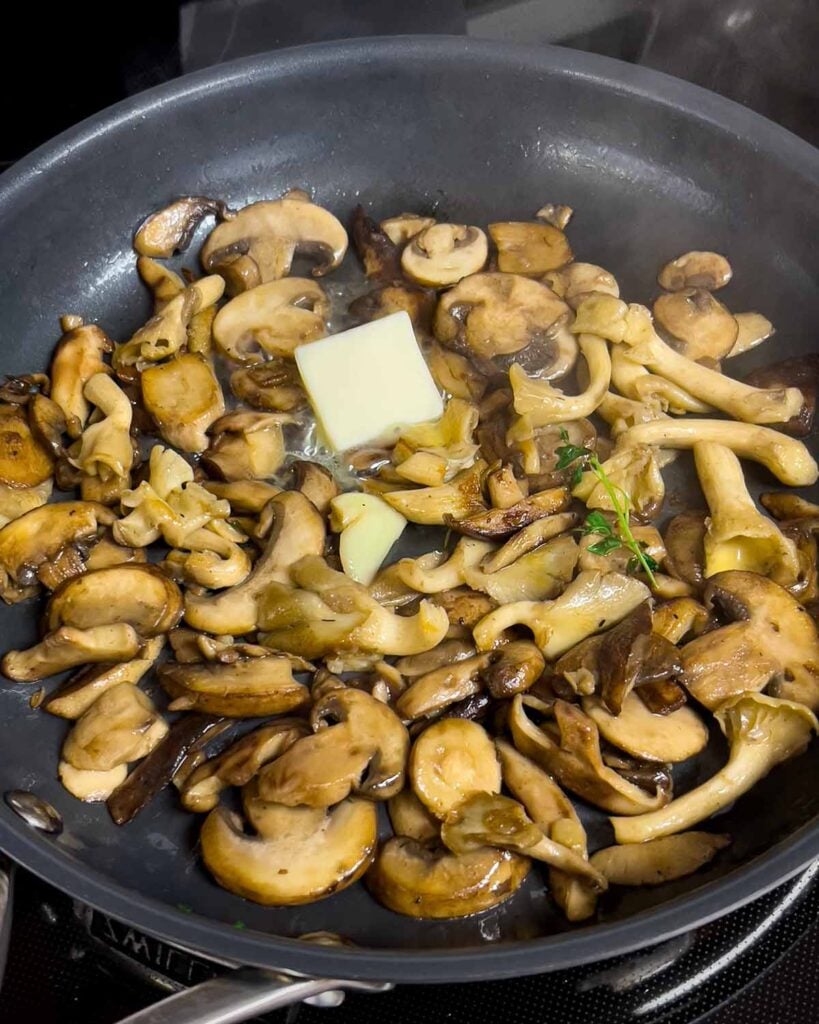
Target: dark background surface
[{"x": 80, "y": 58}]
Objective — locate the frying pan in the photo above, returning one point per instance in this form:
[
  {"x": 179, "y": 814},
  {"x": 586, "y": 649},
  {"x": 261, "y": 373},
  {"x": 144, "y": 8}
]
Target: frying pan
[{"x": 473, "y": 131}]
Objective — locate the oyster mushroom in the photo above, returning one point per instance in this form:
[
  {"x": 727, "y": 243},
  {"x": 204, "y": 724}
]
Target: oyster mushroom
[
  {"x": 78, "y": 357},
  {"x": 528, "y": 539},
  {"x": 634, "y": 472},
  {"x": 246, "y": 445},
  {"x": 428, "y": 695},
  {"x": 184, "y": 397},
  {"x": 659, "y": 860},
  {"x": 247, "y": 496},
  {"x": 501, "y": 522},
  {"x": 762, "y": 732},
  {"x": 274, "y": 386},
  {"x": 530, "y": 248},
  {"x": 162, "y": 281},
  {"x": 171, "y": 229},
  {"x": 452, "y": 759},
  {"x": 695, "y": 269},
  {"x": 543, "y": 404},
  {"x": 245, "y": 688},
  {"x": 272, "y": 319},
  {"x": 442, "y": 254},
  {"x": 121, "y": 725},
  {"x": 105, "y": 448},
  {"x": 268, "y": 235},
  {"x": 631, "y": 378},
  {"x": 771, "y": 641},
  {"x": 313, "y": 852},
  {"x": 68, "y": 647},
  {"x": 665, "y": 738},
  {"x": 446, "y": 653},
  {"x": 699, "y": 325},
  {"x": 429, "y": 506}
]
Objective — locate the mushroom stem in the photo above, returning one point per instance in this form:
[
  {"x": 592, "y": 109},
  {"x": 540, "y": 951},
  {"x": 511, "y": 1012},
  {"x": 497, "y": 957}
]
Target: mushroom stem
[{"x": 542, "y": 403}]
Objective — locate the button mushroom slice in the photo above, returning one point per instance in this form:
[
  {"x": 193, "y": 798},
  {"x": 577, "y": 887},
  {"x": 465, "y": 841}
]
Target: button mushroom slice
[
  {"x": 698, "y": 325},
  {"x": 753, "y": 329},
  {"x": 535, "y": 576},
  {"x": 24, "y": 461},
  {"x": 570, "y": 751},
  {"x": 411, "y": 819},
  {"x": 184, "y": 398},
  {"x": 122, "y": 725},
  {"x": 274, "y": 386},
  {"x": 450, "y": 760},
  {"x": 459, "y": 498},
  {"x": 493, "y": 314},
  {"x": 409, "y": 878},
  {"x": 454, "y": 373},
  {"x": 245, "y": 496},
  {"x": 528, "y": 539},
  {"x": 140, "y": 595},
  {"x": 78, "y": 357},
  {"x": 770, "y": 642},
  {"x": 446, "y": 653},
  {"x": 246, "y": 688},
  {"x": 240, "y": 763},
  {"x": 68, "y": 647},
  {"x": 430, "y": 694},
  {"x": 364, "y": 752},
  {"x": 576, "y": 281},
  {"x": 272, "y": 232},
  {"x": 529, "y": 248},
  {"x": 593, "y": 602},
  {"x": 737, "y": 534},
  {"x": 659, "y": 860},
  {"x": 695, "y": 269},
  {"x": 501, "y": 522},
  {"x": 74, "y": 697},
  {"x": 88, "y": 785},
  {"x": 246, "y": 445},
  {"x": 405, "y": 226},
  {"x": 543, "y": 404},
  {"x": 762, "y": 732},
  {"x": 313, "y": 854},
  {"x": 515, "y": 667},
  {"x": 443, "y": 254},
  {"x": 171, "y": 229},
  {"x": 48, "y": 424},
  {"x": 649, "y": 737},
  {"x": 486, "y": 819}
]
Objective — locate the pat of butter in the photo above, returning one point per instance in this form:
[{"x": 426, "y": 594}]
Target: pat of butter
[{"x": 367, "y": 383}]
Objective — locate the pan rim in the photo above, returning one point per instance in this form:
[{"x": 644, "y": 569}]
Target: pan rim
[{"x": 591, "y": 942}]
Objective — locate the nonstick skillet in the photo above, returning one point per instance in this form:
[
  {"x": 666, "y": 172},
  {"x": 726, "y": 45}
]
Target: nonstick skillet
[{"x": 474, "y": 131}]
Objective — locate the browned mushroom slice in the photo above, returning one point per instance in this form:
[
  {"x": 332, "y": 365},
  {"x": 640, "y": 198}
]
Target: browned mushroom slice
[
  {"x": 800, "y": 372},
  {"x": 269, "y": 234},
  {"x": 684, "y": 541},
  {"x": 24, "y": 461},
  {"x": 569, "y": 749},
  {"x": 48, "y": 424},
  {"x": 447, "y": 653},
  {"x": 701, "y": 327},
  {"x": 404, "y": 226},
  {"x": 184, "y": 398},
  {"x": 418, "y": 303},
  {"x": 106, "y": 552},
  {"x": 516, "y": 667},
  {"x": 431, "y": 693},
  {"x": 140, "y": 595},
  {"x": 659, "y": 860},
  {"x": 414, "y": 880},
  {"x": 313, "y": 854},
  {"x": 410, "y": 818},
  {"x": 529, "y": 248},
  {"x": 464, "y": 607},
  {"x": 171, "y": 229},
  {"x": 379, "y": 255},
  {"x": 754, "y": 328},
  {"x": 248, "y": 688},
  {"x": 672, "y": 737},
  {"x": 272, "y": 387},
  {"x": 528, "y": 539},
  {"x": 576, "y": 282},
  {"x": 245, "y": 496},
  {"x": 449, "y": 761},
  {"x": 68, "y": 647},
  {"x": 77, "y": 358},
  {"x": 246, "y": 445},
  {"x": 695, "y": 269},
  {"x": 442, "y": 254},
  {"x": 505, "y": 490},
  {"x": 316, "y": 483},
  {"x": 240, "y": 763},
  {"x": 122, "y": 725},
  {"x": 429, "y": 506},
  {"x": 88, "y": 785},
  {"x": 501, "y": 522}
]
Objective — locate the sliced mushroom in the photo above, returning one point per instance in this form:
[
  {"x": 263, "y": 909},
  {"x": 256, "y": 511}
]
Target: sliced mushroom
[
  {"x": 700, "y": 326},
  {"x": 268, "y": 235},
  {"x": 429, "y": 506},
  {"x": 122, "y": 725},
  {"x": 677, "y": 619},
  {"x": 48, "y": 424},
  {"x": 685, "y": 547},
  {"x": 91, "y": 786},
  {"x": 446, "y": 653},
  {"x": 106, "y": 553},
  {"x": 754, "y": 328},
  {"x": 555, "y": 214},
  {"x": 68, "y": 647},
  {"x": 771, "y": 641},
  {"x": 246, "y": 688},
  {"x": 184, "y": 398},
  {"x": 543, "y": 404},
  {"x": 78, "y": 357},
  {"x": 442, "y": 254},
  {"x": 501, "y": 522},
  {"x": 631, "y": 653},
  {"x": 379, "y": 254},
  {"x": 670, "y": 738},
  {"x": 528, "y": 539},
  {"x": 575, "y": 282},
  {"x": 695, "y": 270},
  {"x": 401, "y": 228},
  {"x": 449, "y": 761},
  {"x": 24, "y": 461},
  {"x": 516, "y": 667},
  {"x": 659, "y": 860},
  {"x": 16, "y": 501},
  {"x": 249, "y": 496},
  {"x": 163, "y": 282},
  {"x": 529, "y": 248},
  {"x": 430, "y": 694},
  {"x": 464, "y": 608},
  {"x": 274, "y": 386},
  {"x": 171, "y": 229},
  {"x": 411, "y": 819},
  {"x": 313, "y": 854},
  {"x": 246, "y": 445},
  {"x": 414, "y": 880}
]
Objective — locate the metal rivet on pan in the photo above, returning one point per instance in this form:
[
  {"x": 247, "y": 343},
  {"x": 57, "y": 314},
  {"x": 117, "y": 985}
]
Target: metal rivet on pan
[{"x": 34, "y": 811}]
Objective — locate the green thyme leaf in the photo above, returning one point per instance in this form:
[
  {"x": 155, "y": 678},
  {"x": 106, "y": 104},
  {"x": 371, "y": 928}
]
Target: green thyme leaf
[
  {"x": 569, "y": 453},
  {"x": 596, "y": 522},
  {"x": 605, "y": 546}
]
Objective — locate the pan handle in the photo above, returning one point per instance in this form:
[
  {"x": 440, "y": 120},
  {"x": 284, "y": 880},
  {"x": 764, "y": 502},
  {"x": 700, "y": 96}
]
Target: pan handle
[{"x": 245, "y": 993}]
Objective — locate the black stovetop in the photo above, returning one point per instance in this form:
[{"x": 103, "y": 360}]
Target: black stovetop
[{"x": 760, "y": 963}]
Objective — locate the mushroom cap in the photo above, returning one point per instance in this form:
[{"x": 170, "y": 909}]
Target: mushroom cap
[
  {"x": 650, "y": 737},
  {"x": 529, "y": 247},
  {"x": 171, "y": 229},
  {"x": 246, "y": 688},
  {"x": 695, "y": 269},
  {"x": 449, "y": 761},
  {"x": 24, "y": 460},
  {"x": 702, "y": 326},
  {"x": 184, "y": 397},
  {"x": 122, "y": 725},
  {"x": 442, "y": 254}
]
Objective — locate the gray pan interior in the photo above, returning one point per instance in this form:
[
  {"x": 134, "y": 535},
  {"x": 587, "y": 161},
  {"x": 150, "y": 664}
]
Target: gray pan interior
[{"x": 475, "y": 131}]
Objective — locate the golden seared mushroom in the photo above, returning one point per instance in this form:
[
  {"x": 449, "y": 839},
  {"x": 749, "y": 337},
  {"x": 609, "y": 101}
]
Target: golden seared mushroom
[
  {"x": 649, "y": 737},
  {"x": 184, "y": 397},
  {"x": 244, "y": 496},
  {"x": 48, "y": 424},
  {"x": 379, "y": 254},
  {"x": 122, "y": 725},
  {"x": 272, "y": 319},
  {"x": 501, "y": 522},
  {"x": 556, "y": 214},
  {"x": 316, "y": 483},
  {"x": 274, "y": 386},
  {"x": 685, "y": 548},
  {"x": 446, "y": 653},
  {"x": 569, "y": 749},
  {"x": 454, "y": 373},
  {"x": 405, "y": 226},
  {"x": 488, "y": 819},
  {"x": 74, "y": 697},
  {"x": 412, "y": 879},
  {"x": 240, "y": 763},
  {"x": 312, "y": 854},
  {"x": 695, "y": 269},
  {"x": 493, "y": 314},
  {"x": 245, "y": 688},
  {"x": 162, "y": 281},
  {"x": 459, "y": 498},
  {"x": 516, "y": 667},
  {"x": 753, "y": 329},
  {"x": 171, "y": 229},
  {"x": 575, "y": 282},
  {"x": 428, "y": 695},
  {"x": 78, "y": 357},
  {"x": 591, "y": 603},
  {"x": 297, "y": 530},
  {"x": 527, "y": 540},
  {"x": 34, "y": 540},
  {"x": 464, "y": 608},
  {"x": 411, "y": 819},
  {"x": 268, "y": 235},
  {"x": 246, "y": 445},
  {"x": 528, "y": 247},
  {"x": 449, "y": 439},
  {"x": 442, "y": 254},
  {"x": 358, "y": 746},
  {"x": 367, "y": 529},
  {"x": 24, "y": 461},
  {"x": 105, "y": 448},
  {"x": 140, "y": 595},
  {"x": 88, "y": 785},
  {"x": 543, "y": 404},
  {"x": 451, "y": 760},
  {"x": 659, "y": 860},
  {"x": 16, "y": 501},
  {"x": 700, "y": 326},
  {"x": 770, "y": 642},
  {"x": 762, "y": 732},
  {"x": 68, "y": 647}
]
